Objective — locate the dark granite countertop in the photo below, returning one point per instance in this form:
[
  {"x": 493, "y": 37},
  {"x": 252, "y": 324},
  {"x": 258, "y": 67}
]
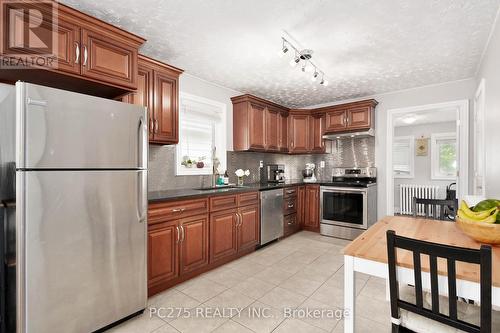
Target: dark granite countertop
[{"x": 194, "y": 193}]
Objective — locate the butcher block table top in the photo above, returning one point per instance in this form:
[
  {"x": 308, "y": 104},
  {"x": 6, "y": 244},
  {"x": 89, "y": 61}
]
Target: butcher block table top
[{"x": 372, "y": 245}]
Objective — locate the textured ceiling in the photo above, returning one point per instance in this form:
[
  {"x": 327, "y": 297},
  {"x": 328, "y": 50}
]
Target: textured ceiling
[{"x": 364, "y": 46}]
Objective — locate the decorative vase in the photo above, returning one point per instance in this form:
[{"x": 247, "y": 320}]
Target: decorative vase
[{"x": 240, "y": 181}]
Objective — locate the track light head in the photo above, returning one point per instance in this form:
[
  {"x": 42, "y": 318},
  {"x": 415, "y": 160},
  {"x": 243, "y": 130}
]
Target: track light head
[
  {"x": 315, "y": 75},
  {"x": 294, "y": 61}
]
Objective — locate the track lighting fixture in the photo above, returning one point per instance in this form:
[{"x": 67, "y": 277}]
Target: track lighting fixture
[{"x": 304, "y": 56}]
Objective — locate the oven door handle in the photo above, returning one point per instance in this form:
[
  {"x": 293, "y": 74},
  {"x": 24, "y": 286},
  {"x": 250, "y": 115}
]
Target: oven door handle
[{"x": 343, "y": 190}]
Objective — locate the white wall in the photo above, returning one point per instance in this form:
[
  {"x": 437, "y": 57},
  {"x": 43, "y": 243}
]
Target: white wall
[
  {"x": 490, "y": 71},
  {"x": 422, "y": 171},
  {"x": 445, "y": 92},
  {"x": 195, "y": 86}
]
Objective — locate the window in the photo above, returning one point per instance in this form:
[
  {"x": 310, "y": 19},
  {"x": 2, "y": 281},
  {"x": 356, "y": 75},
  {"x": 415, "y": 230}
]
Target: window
[
  {"x": 444, "y": 156},
  {"x": 202, "y": 128},
  {"x": 403, "y": 157}
]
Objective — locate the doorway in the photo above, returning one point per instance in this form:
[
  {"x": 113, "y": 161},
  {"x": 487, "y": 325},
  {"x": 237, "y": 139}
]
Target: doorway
[{"x": 427, "y": 153}]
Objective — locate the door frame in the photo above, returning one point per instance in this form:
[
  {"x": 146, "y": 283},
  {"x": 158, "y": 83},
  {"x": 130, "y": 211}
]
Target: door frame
[
  {"x": 462, "y": 107},
  {"x": 478, "y": 113}
]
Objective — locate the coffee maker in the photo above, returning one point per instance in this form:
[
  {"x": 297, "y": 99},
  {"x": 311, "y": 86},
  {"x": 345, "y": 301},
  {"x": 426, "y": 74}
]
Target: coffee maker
[{"x": 273, "y": 173}]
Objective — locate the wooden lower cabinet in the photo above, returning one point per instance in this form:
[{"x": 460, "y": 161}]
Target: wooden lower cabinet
[
  {"x": 176, "y": 248},
  {"x": 163, "y": 258},
  {"x": 233, "y": 231},
  {"x": 223, "y": 241},
  {"x": 189, "y": 237},
  {"x": 249, "y": 227},
  {"x": 311, "y": 211},
  {"x": 193, "y": 244},
  {"x": 301, "y": 192},
  {"x": 290, "y": 225}
]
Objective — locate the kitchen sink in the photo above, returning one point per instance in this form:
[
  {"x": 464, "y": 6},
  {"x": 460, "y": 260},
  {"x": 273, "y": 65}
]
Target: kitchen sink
[{"x": 218, "y": 188}]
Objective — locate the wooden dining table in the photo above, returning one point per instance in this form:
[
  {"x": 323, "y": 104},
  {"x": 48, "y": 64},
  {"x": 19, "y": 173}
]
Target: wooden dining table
[{"x": 368, "y": 254}]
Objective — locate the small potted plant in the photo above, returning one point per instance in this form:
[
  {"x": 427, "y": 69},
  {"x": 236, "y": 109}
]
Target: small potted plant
[{"x": 240, "y": 173}]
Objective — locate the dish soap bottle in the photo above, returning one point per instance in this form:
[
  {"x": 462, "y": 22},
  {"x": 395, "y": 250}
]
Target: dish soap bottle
[{"x": 226, "y": 178}]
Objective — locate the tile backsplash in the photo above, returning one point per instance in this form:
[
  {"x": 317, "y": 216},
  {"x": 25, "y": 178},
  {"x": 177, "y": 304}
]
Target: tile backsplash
[{"x": 347, "y": 152}]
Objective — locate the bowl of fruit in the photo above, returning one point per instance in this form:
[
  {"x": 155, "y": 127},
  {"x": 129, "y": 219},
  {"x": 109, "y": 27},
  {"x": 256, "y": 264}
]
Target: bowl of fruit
[{"x": 480, "y": 222}]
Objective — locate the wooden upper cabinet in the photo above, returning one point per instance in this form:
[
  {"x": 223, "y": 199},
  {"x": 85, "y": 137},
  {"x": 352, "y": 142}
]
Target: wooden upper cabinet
[
  {"x": 350, "y": 117},
  {"x": 193, "y": 248},
  {"x": 336, "y": 120},
  {"x": 359, "y": 117},
  {"x": 158, "y": 90},
  {"x": 257, "y": 116},
  {"x": 163, "y": 264},
  {"x": 107, "y": 59},
  {"x": 317, "y": 129},
  {"x": 283, "y": 131},
  {"x": 298, "y": 132},
  {"x": 92, "y": 56},
  {"x": 166, "y": 112},
  {"x": 273, "y": 132},
  {"x": 256, "y": 124},
  {"x": 249, "y": 227}
]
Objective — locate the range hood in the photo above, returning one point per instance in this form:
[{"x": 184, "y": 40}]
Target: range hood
[{"x": 358, "y": 134}]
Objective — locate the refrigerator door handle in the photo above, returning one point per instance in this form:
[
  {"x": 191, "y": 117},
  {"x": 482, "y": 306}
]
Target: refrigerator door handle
[
  {"x": 142, "y": 143},
  {"x": 142, "y": 205},
  {"x": 36, "y": 102}
]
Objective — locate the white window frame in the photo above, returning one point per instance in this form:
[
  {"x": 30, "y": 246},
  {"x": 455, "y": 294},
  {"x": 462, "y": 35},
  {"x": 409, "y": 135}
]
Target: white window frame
[
  {"x": 411, "y": 161},
  {"x": 435, "y": 175},
  {"x": 219, "y": 139}
]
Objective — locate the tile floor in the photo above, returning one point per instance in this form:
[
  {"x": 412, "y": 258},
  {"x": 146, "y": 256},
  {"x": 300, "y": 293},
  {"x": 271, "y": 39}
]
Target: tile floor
[{"x": 303, "y": 271}]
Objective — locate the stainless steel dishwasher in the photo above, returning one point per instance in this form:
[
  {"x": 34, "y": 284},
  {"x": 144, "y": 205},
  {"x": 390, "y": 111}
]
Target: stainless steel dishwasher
[{"x": 271, "y": 215}]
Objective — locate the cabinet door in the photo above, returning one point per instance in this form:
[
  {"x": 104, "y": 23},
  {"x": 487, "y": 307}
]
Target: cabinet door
[
  {"x": 69, "y": 52},
  {"x": 144, "y": 94},
  {"x": 299, "y": 132},
  {"x": 283, "y": 132},
  {"x": 291, "y": 224},
  {"x": 336, "y": 120},
  {"x": 358, "y": 118},
  {"x": 257, "y": 118},
  {"x": 311, "y": 216},
  {"x": 163, "y": 262},
  {"x": 317, "y": 144},
  {"x": 166, "y": 108},
  {"x": 194, "y": 243},
  {"x": 249, "y": 227},
  {"x": 223, "y": 238},
  {"x": 108, "y": 60},
  {"x": 272, "y": 129},
  {"x": 300, "y": 205}
]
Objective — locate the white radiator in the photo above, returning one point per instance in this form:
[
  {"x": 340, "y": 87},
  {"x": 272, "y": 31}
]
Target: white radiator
[{"x": 408, "y": 191}]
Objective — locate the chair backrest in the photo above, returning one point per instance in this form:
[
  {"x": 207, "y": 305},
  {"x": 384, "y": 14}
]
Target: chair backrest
[
  {"x": 437, "y": 209},
  {"x": 452, "y": 254}
]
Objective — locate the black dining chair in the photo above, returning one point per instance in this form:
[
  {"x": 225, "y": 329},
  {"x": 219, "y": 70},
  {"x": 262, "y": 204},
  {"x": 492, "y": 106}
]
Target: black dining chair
[
  {"x": 452, "y": 254},
  {"x": 437, "y": 209}
]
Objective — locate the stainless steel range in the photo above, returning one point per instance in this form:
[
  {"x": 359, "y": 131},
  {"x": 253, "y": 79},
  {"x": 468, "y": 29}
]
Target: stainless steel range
[{"x": 349, "y": 202}]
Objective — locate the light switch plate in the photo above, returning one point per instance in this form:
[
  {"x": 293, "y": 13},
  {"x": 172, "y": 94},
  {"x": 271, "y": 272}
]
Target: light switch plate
[
  {"x": 261, "y": 164},
  {"x": 322, "y": 164}
]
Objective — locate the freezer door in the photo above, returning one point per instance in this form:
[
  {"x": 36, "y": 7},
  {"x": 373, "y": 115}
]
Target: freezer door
[
  {"x": 81, "y": 242},
  {"x": 58, "y": 129}
]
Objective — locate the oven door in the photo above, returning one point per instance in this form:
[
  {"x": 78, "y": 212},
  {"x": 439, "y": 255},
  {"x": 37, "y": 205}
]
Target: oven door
[{"x": 344, "y": 207}]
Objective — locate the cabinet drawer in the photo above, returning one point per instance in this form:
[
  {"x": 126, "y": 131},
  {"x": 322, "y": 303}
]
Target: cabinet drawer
[
  {"x": 290, "y": 192},
  {"x": 246, "y": 199},
  {"x": 223, "y": 202},
  {"x": 290, "y": 205},
  {"x": 172, "y": 210},
  {"x": 290, "y": 224}
]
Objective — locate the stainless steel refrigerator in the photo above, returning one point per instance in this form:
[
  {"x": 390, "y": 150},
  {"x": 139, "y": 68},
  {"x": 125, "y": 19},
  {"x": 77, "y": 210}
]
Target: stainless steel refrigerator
[{"x": 73, "y": 175}]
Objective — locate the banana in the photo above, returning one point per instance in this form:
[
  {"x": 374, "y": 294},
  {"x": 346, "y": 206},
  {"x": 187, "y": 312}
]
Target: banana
[
  {"x": 488, "y": 219},
  {"x": 475, "y": 215}
]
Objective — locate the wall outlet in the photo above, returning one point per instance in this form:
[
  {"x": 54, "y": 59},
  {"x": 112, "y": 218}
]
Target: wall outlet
[
  {"x": 261, "y": 164},
  {"x": 322, "y": 164}
]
